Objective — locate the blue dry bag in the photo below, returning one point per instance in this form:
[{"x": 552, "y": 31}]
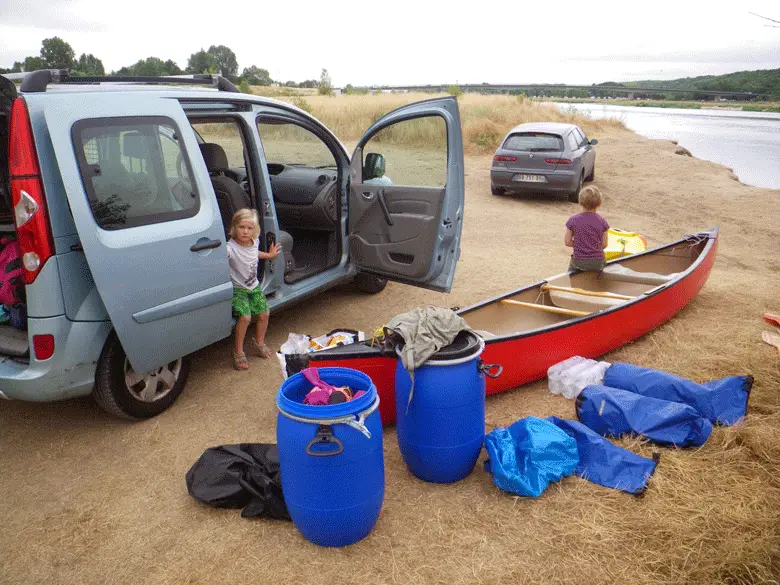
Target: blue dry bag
[
  {"x": 529, "y": 455},
  {"x": 615, "y": 412},
  {"x": 721, "y": 401},
  {"x": 606, "y": 464}
]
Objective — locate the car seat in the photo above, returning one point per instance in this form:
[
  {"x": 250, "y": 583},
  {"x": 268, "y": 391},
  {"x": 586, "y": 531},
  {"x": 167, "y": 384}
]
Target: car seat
[{"x": 231, "y": 196}]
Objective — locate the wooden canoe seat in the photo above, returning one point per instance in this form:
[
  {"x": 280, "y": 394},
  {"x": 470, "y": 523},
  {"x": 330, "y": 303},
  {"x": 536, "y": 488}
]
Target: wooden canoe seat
[
  {"x": 624, "y": 274},
  {"x": 577, "y": 302}
]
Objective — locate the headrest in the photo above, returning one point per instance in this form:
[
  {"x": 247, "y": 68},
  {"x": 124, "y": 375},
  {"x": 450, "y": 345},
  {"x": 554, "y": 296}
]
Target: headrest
[
  {"x": 133, "y": 145},
  {"x": 215, "y": 157}
]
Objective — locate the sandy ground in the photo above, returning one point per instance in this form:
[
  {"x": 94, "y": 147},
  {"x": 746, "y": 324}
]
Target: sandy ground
[{"x": 89, "y": 499}]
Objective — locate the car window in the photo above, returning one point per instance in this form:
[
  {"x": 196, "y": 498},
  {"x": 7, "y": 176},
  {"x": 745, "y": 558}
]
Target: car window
[
  {"x": 580, "y": 135},
  {"x": 534, "y": 142},
  {"x": 134, "y": 171},
  {"x": 228, "y": 136},
  {"x": 288, "y": 143},
  {"x": 573, "y": 141},
  {"x": 411, "y": 153}
]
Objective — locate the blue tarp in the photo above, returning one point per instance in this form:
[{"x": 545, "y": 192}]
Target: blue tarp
[
  {"x": 721, "y": 401},
  {"x": 606, "y": 464},
  {"x": 615, "y": 412},
  {"x": 529, "y": 455}
]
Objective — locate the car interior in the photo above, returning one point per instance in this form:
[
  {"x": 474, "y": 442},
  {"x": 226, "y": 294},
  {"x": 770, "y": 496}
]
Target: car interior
[{"x": 305, "y": 198}]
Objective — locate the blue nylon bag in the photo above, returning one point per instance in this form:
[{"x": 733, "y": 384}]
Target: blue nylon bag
[
  {"x": 722, "y": 402},
  {"x": 615, "y": 412},
  {"x": 526, "y": 457},
  {"x": 606, "y": 464}
]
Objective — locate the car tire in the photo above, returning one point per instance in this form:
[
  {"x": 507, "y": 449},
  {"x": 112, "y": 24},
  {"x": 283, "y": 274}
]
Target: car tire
[
  {"x": 370, "y": 283},
  {"x": 150, "y": 395},
  {"x": 592, "y": 174},
  {"x": 574, "y": 196},
  {"x": 497, "y": 190}
]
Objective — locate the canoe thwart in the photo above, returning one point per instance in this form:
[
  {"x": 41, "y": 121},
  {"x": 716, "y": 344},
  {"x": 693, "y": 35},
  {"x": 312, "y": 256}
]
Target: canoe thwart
[{"x": 558, "y": 310}]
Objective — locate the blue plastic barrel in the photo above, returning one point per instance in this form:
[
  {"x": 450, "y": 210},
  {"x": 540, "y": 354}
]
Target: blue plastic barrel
[
  {"x": 331, "y": 459},
  {"x": 440, "y": 432}
]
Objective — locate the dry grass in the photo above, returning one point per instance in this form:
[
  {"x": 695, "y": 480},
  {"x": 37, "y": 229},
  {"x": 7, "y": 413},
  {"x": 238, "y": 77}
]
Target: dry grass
[
  {"x": 485, "y": 120},
  {"x": 87, "y": 499}
]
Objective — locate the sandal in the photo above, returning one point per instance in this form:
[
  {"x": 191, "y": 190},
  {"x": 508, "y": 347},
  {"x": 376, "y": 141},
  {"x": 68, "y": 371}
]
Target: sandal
[
  {"x": 260, "y": 348},
  {"x": 240, "y": 362}
]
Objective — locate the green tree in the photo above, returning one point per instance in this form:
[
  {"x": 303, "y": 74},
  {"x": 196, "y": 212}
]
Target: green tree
[
  {"x": 308, "y": 83},
  {"x": 171, "y": 68},
  {"x": 256, "y": 76},
  {"x": 34, "y": 63},
  {"x": 57, "y": 53},
  {"x": 325, "y": 86},
  {"x": 244, "y": 86},
  {"x": 201, "y": 62},
  {"x": 224, "y": 60},
  {"x": 90, "y": 65},
  {"x": 454, "y": 90},
  {"x": 151, "y": 67},
  {"x": 18, "y": 67}
]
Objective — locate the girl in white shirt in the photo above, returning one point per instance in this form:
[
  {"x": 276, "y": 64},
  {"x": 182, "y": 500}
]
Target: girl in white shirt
[{"x": 248, "y": 300}]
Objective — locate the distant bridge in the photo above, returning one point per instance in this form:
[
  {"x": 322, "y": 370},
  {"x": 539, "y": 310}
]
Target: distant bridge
[{"x": 630, "y": 91}]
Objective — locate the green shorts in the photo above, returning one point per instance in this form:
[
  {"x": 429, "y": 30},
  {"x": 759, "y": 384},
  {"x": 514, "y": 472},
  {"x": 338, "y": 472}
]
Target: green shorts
[{"x": 248, "y": 303}]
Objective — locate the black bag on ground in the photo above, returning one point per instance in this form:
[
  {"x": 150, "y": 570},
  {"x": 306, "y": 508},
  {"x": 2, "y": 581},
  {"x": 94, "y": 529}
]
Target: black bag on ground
[{"x": 240, "y": 476}]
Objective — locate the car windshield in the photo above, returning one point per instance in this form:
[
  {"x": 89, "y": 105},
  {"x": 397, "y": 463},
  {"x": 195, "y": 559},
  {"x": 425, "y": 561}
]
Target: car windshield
[{"x": 534, "y": 142}]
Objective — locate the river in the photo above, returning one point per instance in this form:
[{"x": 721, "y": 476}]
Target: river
[{"x": 747, "y": 142}]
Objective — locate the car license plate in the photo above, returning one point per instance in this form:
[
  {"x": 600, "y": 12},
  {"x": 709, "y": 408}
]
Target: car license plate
[{"x": 531, "y": 178}]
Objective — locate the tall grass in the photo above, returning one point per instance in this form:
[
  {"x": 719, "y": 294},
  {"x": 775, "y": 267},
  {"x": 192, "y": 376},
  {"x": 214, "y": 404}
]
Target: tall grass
[{"x": 485, "y": 119}]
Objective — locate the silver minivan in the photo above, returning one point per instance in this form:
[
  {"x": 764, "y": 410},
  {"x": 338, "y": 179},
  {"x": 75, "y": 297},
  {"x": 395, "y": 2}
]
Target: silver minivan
[{"x": 120, "y": 195}]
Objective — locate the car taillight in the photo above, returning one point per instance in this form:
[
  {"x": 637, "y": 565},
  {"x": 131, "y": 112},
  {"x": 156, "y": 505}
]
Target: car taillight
[
  {"x": 43, "y": 346},
  {"x": 32, "y": 224},
  {"x": 500, "y": 158},
  {"x": 557, "y": 161}
]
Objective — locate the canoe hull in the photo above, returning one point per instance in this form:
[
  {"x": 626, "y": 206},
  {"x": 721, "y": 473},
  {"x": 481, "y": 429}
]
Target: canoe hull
[{"x": 526, "y": 357}]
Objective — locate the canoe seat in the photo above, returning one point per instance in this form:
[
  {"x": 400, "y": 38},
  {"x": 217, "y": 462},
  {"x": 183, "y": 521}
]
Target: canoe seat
[
  {"x": 484, "y": 334},
  {"x": 624, "y": 274},
  {"x": 577, "y": 302}
]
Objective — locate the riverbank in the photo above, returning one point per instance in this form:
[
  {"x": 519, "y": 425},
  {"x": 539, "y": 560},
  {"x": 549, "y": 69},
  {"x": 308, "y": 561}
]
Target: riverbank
[
  {"x": 89, "y": 499},
  {"x": 770, "y": 106}
]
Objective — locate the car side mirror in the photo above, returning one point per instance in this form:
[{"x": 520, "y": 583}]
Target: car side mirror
[
  {"x": 594, "y": 142},
  {"x": 374, "y": 166}
]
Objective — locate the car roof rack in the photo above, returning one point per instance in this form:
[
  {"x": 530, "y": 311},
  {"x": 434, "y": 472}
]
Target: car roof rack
[{"x": 38, "y": 81}]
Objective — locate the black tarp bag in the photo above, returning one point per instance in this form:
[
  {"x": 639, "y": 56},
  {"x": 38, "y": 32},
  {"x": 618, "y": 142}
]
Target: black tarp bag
[{"x": 240, "y": 476}]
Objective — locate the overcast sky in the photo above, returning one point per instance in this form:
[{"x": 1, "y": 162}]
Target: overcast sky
[{"x": 414, "y": 42}]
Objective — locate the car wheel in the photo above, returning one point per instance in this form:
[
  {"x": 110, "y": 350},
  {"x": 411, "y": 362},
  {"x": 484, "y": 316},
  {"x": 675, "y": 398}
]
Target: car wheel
[
  {"x": 120, "y": 391},
  {"x": 574, "y": 196},
  {"x": 592, "y": 174},
  {"x": 369, "y": 283},
  {"x": 497, "y": 190}
]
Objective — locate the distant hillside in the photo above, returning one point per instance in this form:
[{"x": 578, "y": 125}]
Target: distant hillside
[{"x": 762, "y": 81}]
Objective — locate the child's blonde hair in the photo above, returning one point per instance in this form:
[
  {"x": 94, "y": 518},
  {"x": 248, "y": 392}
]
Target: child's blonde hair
[
  {"x": 240, "y": 216},
  {"x": 590, "y": 197}
]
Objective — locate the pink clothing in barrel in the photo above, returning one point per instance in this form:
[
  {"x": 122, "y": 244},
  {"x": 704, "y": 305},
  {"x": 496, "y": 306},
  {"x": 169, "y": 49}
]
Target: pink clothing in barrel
[{"x": 588, "y": 231}]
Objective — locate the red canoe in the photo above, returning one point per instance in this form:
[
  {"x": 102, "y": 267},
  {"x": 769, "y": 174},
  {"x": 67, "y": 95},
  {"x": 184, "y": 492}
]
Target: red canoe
[{"x": 575, "y": 313}]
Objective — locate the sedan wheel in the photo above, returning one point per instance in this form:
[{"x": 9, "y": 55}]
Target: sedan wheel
[{"x": 574, "y": 196}]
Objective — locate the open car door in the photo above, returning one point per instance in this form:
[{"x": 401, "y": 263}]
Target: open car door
[
  {"x": 147, "y": 220},
  {"x": 406, "y": 195}
]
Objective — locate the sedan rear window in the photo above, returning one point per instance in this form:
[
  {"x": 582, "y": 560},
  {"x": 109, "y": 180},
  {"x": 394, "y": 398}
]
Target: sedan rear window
[{"x": 534, "y": 142}]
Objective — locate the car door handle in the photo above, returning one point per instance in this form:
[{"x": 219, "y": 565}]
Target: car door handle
[
  {"x": 207, "y": 245},
  {"x": 383, "y": 204}
]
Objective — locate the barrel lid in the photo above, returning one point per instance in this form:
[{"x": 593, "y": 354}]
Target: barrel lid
[{"x": 465, "y": 344}]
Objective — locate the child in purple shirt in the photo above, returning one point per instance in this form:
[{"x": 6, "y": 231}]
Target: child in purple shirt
[{"x": 586, "y": 232}]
